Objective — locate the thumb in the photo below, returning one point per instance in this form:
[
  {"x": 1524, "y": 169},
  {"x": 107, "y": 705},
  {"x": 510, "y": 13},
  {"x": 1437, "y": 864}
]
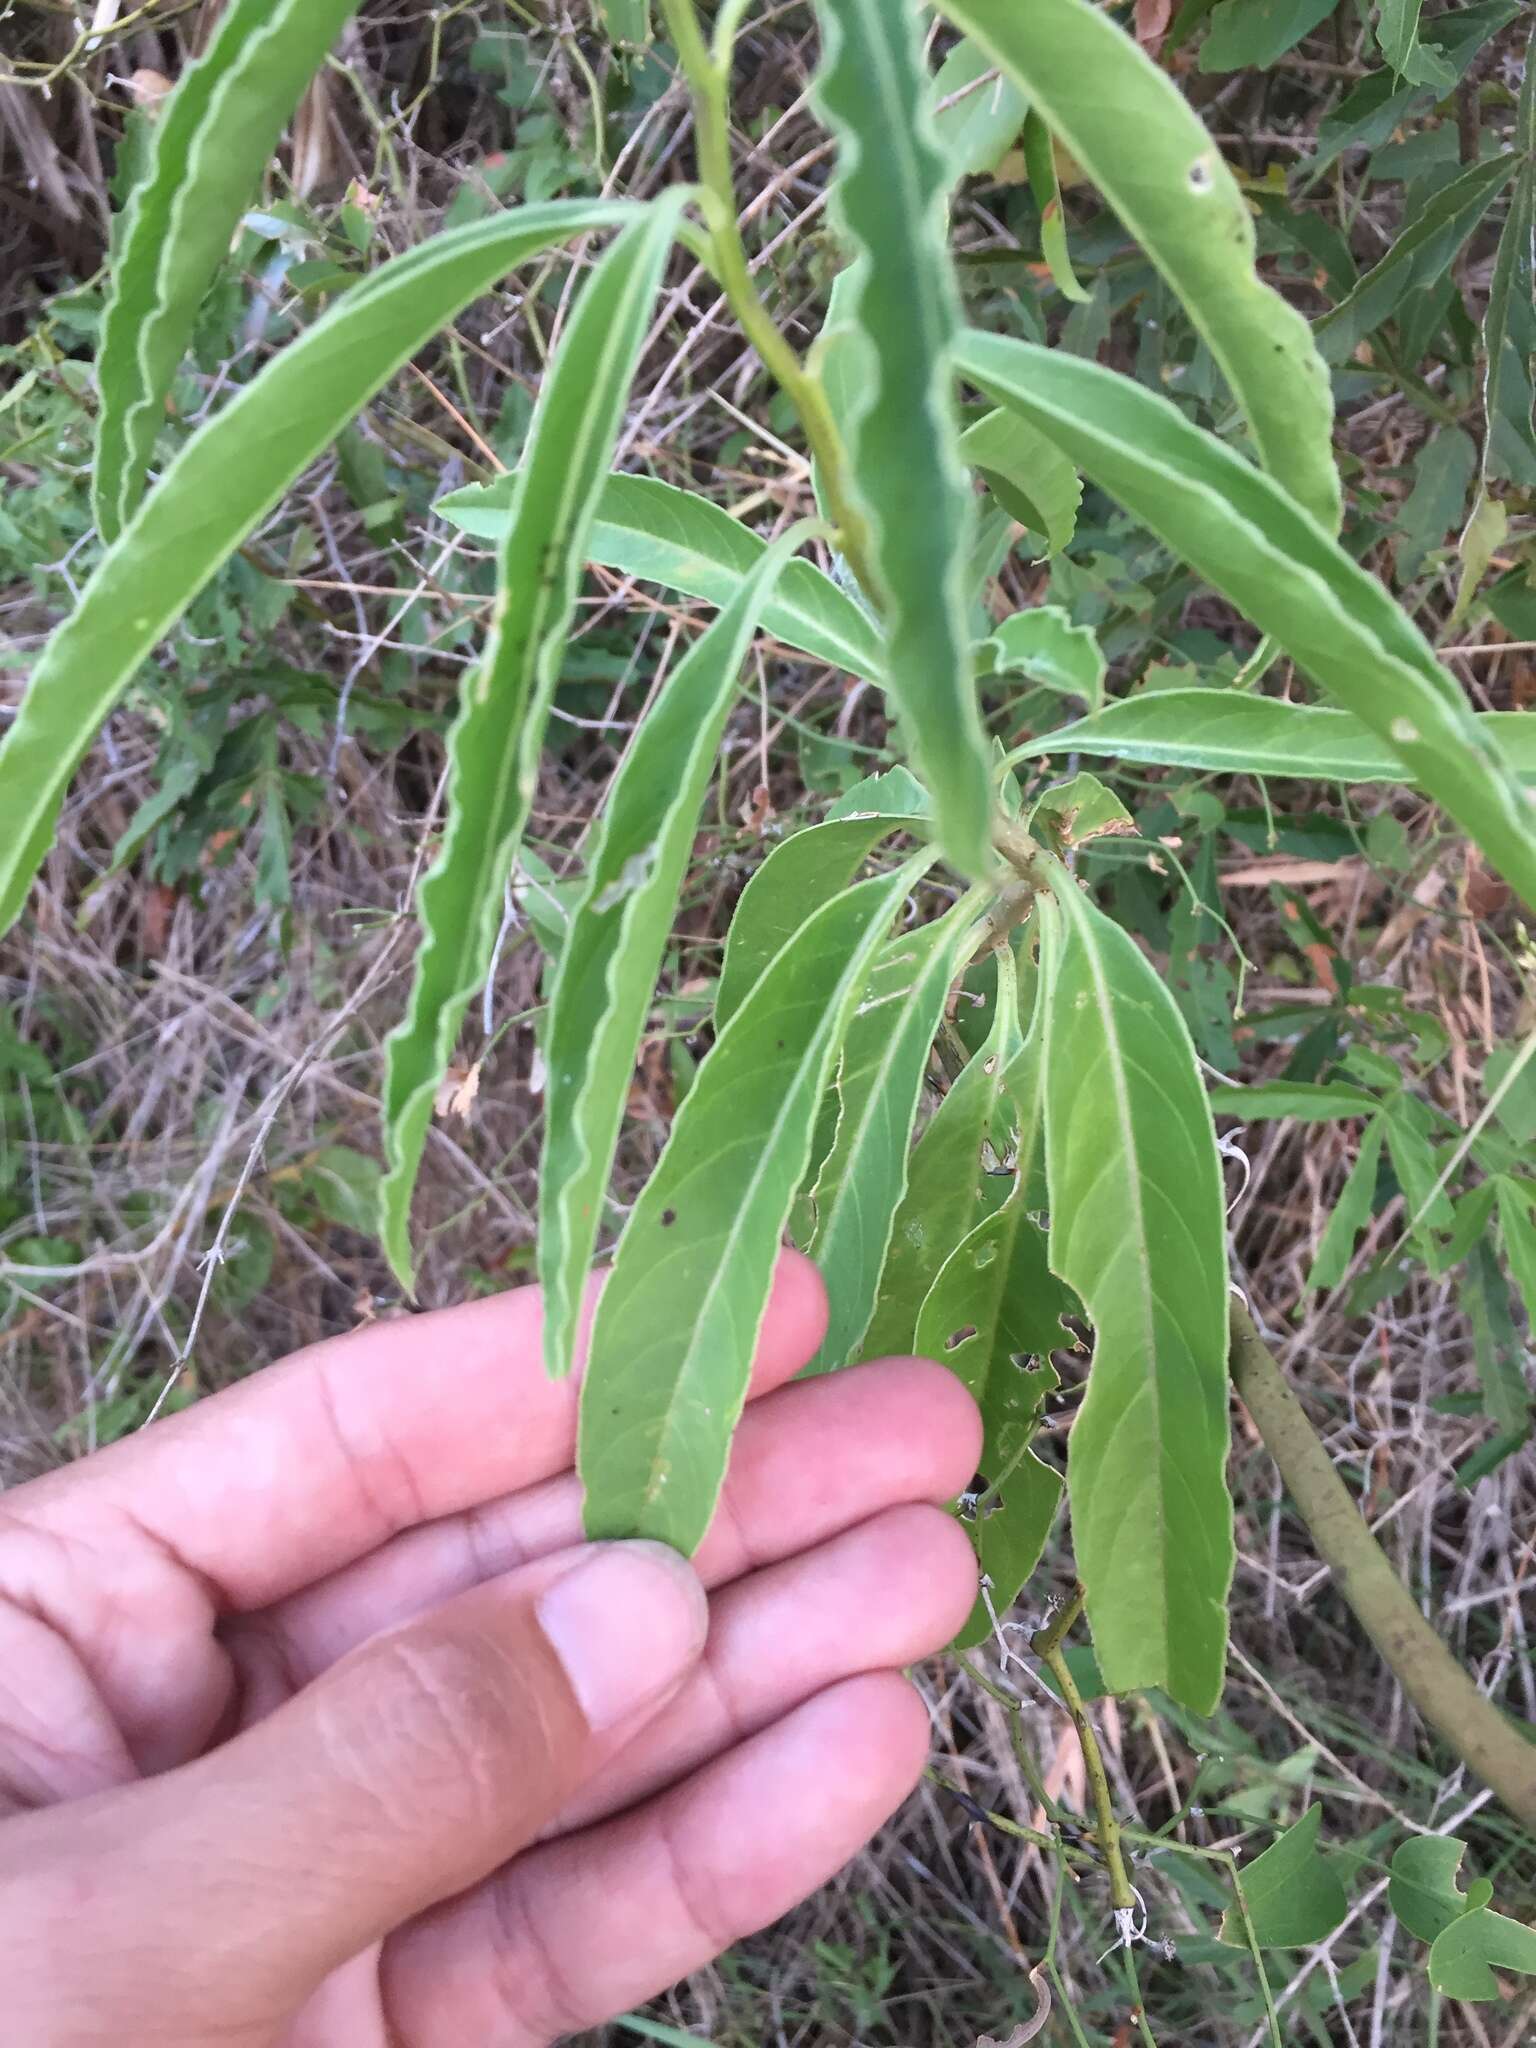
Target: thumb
[{"x": 405, "y": 1774}]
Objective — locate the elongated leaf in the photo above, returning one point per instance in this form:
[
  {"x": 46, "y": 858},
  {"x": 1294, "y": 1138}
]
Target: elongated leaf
[
  {"x": 220, "y": 487},
  {"x": 1026, "y": 473},
  {"x": 1351, "y": 1212},
  {"x": 976, "y": 111},
  {"x": 994, "y": 1306},
  {"x": 1397, "y": 31},
  {"x": 889, "y": 202},
  {"x": 1138, "y": 1230},
  {"x": 212, "y": 139},
  {"x": 803, "y": 872},
  {"x": 1257, "y": 547},
  {"x": 1040, "y": 158},
  {"x": 1509, "y": 327},
  {"x": 1500, "y": 1355},
  {"x": 1293, "y": 1892},
  {"x": 1422, "y": 1890},
  {"x": 1227, "y": 731},
  {"x": 1307, "y": 1102},
  {"x": 947, "y": 1189},
  {"x": 617, "y": 933},
  {"x": 1423, "y": 250},
  {"x": 663, "y": 535},
  {"x": 677, "y": 1323},
  {"x": 1145, "y": 149},
  {"x": 1518, "y": 1231},
  {"x": 864, "y": 1175},
  {"x": 1463, "y": 1958},
  {"x": 1044, "y": 645},
  {"x": 493, "y": 748}
]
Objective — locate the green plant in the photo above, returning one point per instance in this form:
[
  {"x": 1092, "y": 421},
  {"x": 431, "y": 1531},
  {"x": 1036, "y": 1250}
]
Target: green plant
[{"x": 1083, "y": 1100}]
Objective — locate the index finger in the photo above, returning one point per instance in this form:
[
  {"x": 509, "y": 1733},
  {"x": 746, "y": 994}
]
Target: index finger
[{"x": 315, "y": 1462}]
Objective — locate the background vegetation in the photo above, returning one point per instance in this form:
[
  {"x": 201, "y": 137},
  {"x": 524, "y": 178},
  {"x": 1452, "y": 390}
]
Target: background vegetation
[{"x": 190, "y": 1015}]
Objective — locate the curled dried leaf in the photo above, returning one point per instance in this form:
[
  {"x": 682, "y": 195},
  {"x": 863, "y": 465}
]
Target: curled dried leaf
[{"x": 1035, "y": 2024}]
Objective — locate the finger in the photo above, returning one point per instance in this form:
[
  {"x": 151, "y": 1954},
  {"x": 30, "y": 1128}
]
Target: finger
[
  {"x": 586, "y": 1927},
  {"x": 814, "y": 1458},
  {"x": 317, "y": 1461},
  {"x": 407, "y": 1773}
]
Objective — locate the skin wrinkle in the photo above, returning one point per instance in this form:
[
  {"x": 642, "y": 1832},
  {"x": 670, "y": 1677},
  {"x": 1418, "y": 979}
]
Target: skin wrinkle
[{"x": 397, "y": 1505}]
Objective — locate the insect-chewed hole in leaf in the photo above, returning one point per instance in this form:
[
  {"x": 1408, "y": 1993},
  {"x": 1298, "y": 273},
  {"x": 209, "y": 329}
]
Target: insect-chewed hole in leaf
[
  {"x": 958, "y": 1337},
  {"x": 983, "y": 1255},
  {"x": 1200, "y": 178},
  {"x": 989, "y": 1064},
  {"x": 668, "y": 1218}
]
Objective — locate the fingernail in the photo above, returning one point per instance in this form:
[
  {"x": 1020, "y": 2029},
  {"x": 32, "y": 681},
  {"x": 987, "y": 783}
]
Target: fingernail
[{"x": 626, "y": 1624}]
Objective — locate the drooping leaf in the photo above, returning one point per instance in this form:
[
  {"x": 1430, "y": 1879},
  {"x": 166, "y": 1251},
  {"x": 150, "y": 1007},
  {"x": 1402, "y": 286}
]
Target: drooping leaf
[
  {"x": 864, "y": 1175},
  {"x": 683, "y": 542},
  {"x": 677, "y": 1322},
  {"x": 1252, "y": 34},
  {"x": 1351, "y": 1212},
  {"x": 1509, "y": 326},
  {"x": 1040, "y": 160},
  {"x": 1227, "y": 731},
  {"x": 1138, "y": 1230},
  {"x": 946, "y": 1193},
  {"x": 977, "y": 112},
  {"x": 1253, "y": 543},
  {"x": 1463, "y": 1958},
  {"x": 1308, "y": 1102},
  {"x": 1397, "y": 31},
  {"x": 613, "y": 947},
  {"x": 1044, "y": 645},
  {"x": 889, "y": 200},
  {"x": 212, "y": 140},
  {"x": 494, "y": 745},
  {"x": 1132, "y": 131},
  {"x": 1293, "y": 1892},
  {"x": 1027, "y": 474},
  {"x": 1422, "y": 1889},
  {"x": 223, "y": 482}
]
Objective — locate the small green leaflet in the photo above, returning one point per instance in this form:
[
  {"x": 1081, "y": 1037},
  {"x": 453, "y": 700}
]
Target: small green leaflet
[
  {"x": 1352, "y": 1211},
  {"x": 683, "y": 542},
  {"x": 864, "y": 1175},
  {"x": 1293, "y": 1892},
  {"x": 1255, "y": 545},
  {"x": 1144, "y": 147},
  {"x": 1044, "y": 645},
  {"x": 222, "y": 484},
  {"x": 1509, "y": 327},
  {"x": 1422, "y": 1889},
  {"x": 947, "y": 1189},
  {"x": 805, "y": 871},
  {"x": 994, "y": 1305},
  {"x": 212, "y": 140},
  {"x": 617, "y": 932},
  {"x": 1309, "y": 1102},
  {"x": 889, "y": 203},
  {"x": 976, "y": 112},
  {"x": 677, "y": 1323},
  {"x": 1027, "y": 474},
  {"x": 494, "y": 745},
  {"x": 1463, "y": 1959},
  {"x": 1228, "y": 731},
  {"x": 1397, "y": 32},
  {"x": 1138, "y": 1230}
]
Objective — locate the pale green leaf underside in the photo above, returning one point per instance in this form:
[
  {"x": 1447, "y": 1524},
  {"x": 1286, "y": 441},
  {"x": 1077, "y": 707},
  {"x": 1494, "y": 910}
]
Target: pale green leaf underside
[
  {"x": 984, "y": 112},
  {"x": 1255, "y": 545},
  {"x": 1225, "y": 732},
  {"x": 1138, "y": 1231},
  {"x": 220, "y": 487},
  {"x": 677, "y": 539},
  {"x": 889, "y": 202},
  {"x": 1293, "y": 1892},
  {"x": 494, "y": 744},
  {"x": 617, "y": 934},
  {"x": 677, "y": 1322},
  {"x": 1422, "y": 1890},
  {"x": 1308, "y": 1102},
  {"x": 1132, "y": 131},
  {"x": 1027, "y": 473},
  {"x": 212, "y": 139},
  {"x": 1044, "y": 645},
  {"x": 1463, "y": 1959}
]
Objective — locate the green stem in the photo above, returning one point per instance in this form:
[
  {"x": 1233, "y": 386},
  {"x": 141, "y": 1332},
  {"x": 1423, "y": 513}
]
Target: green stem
[
  {"x": 1486, "y": 1741},
  {"x": 1106, "y": 1828},
  {"x": 708, "y": 73}
]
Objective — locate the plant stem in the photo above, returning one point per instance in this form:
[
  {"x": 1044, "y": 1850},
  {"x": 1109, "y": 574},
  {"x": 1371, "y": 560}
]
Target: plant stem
[
  {"x": 708, "y": 73},
  {"x": 1106, "y": 1828},
  {"x": 1487, "y": 1741},
  {"x": 1044, "y": 1640}
]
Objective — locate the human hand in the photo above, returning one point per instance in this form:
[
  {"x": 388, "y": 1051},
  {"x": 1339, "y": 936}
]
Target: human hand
[{"x": 320, "y": 1725}]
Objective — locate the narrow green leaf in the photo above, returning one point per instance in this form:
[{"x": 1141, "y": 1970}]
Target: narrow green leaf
[
  {"x": 889, "y": 203},
  {"x": 221, "y": 486},
  {"x": 1422, "y": 1889},
  {"x": 1292, "y": 1891},
  {"x": 1500, "y": 1355},
  {"x": 1417, "y": 1169},
  {"x": 628, "y": 22},
  {"x": 1227, "y": 731},
  {"x": 616, "y": 936},
  {"x": 1352, "y": 1211},
  {"x": 1044, "y": 645},
  {"x": 1045, "y": 189},
  {"x": 1027, "y": 474},
  {"x": 947, "y": 1189},
  {"x": 677, "y": 539},
  {"x": 1518, "y": 1232},
  {"x": 1465, "y": 1955},
  {"x": 1253, "y": 34},
  {"x": 212, "y": 139},
  {"x": 1138, "y": 1230},
  {"x": 1144, "y": 147},
  {"x": 976, "y": 111},
  {"x": 1252, "y": 543},
  {"x": 677, "y": 1323},
  {"x": 1509, "y": 326},
  {"x": 864, "y": 1175},
  {"x": 493, "y": 748},
  {"x": 1307, "y": 1102},
  {"x": 803, "y": 872},
  {"x": 1437, "y": 504},
  {"x": 1423, "y": 250}
]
